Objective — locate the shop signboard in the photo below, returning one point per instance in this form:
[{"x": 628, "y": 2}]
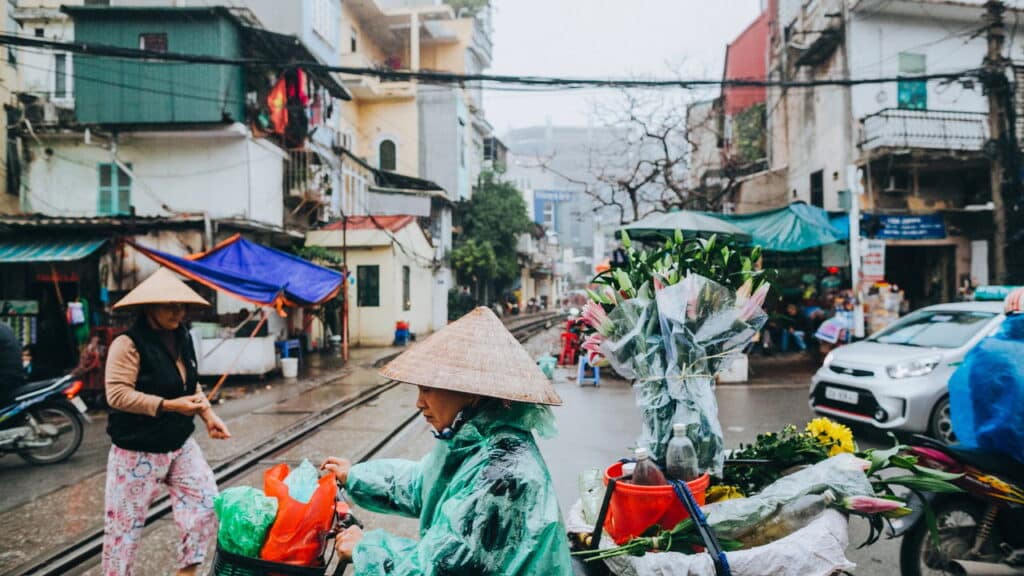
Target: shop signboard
[
  {"x": 872, "y": 268},
  {"x": 907, "y": 227}
]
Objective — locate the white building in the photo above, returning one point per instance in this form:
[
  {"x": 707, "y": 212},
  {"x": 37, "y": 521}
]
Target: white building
[
  {"x": 392, "y": 262},
  {"x": 920, "y": 143}
]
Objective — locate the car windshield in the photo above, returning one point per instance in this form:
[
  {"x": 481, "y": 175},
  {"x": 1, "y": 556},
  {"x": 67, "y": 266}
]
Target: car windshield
[{"x": 934, "y": 328}]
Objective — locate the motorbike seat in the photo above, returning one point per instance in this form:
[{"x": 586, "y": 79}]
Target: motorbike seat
[
  {"x": 30, "y": 389},
  {"x": 986, "y": 461},
  {"x": 991, "y": 462}
]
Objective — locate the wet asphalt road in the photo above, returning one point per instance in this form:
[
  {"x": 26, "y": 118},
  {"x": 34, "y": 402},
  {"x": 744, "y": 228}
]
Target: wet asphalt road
[{"x": 596, "y": 427}]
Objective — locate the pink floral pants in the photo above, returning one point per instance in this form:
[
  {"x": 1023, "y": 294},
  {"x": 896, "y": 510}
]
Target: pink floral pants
[{"x": 133, "y": 481}]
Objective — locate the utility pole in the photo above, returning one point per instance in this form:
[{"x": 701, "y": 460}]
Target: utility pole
[{"x": 997, "y": 88}]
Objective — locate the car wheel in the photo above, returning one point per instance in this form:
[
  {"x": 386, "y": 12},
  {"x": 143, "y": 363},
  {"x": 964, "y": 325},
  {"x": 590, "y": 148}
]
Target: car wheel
[{"x": 941, "y": 425}]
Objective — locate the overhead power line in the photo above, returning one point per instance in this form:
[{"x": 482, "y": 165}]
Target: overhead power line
[{"x": 562, "y": 83}]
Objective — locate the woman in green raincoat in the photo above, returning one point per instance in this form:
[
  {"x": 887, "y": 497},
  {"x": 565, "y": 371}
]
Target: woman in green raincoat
[{"x": 483, "y": 495}]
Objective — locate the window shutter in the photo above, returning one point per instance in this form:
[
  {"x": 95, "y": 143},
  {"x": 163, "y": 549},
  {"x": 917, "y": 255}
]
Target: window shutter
[{"x": 106, "y": 195}]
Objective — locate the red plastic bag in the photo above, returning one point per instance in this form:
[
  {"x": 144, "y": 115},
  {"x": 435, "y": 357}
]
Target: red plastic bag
[{"x": 296, "y": 537}]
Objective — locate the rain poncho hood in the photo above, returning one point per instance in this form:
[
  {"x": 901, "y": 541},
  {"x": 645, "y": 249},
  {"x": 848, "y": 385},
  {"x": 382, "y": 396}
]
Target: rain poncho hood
[{"x": 484, "y": 499}]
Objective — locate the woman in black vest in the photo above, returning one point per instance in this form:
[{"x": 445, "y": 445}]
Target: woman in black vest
[{"x": 152, "y": 387}]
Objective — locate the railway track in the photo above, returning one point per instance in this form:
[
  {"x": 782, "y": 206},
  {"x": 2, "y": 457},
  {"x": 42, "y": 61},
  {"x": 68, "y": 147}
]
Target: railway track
[{"x": 89, "y": 547}]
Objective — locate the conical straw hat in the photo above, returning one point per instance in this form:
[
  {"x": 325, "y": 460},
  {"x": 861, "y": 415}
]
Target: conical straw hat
[
  {"x": 162, "y": 287},
  {"x": 475, "y": 354}
]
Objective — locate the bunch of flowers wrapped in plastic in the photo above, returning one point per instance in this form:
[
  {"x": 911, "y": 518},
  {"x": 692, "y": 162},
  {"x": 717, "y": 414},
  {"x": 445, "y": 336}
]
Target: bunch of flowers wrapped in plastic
[{"x": 670, "y": 322}]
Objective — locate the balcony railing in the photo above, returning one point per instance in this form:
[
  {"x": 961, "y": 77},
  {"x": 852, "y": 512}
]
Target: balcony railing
[
  {"x": 932, "y": 129},
  {"x": 307, "y": 176},
  {"x": 371, "y": 87}
]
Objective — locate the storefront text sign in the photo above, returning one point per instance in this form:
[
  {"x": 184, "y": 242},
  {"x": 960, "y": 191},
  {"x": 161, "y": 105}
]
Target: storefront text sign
[
  {"x": 872, "y": 268},
  {"x": 926, "y": 227}
]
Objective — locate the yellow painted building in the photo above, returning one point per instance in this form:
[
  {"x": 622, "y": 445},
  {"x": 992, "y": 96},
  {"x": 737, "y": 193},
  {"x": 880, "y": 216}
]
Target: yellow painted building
[{"x": 425, "y": 131}]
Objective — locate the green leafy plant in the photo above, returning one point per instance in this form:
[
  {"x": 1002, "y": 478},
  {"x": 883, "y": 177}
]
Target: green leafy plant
[
  {"x": 774, "y": 453},
  {"x": 495, "y": 216},
  {"x": 720, "y": 259},
  {"x": 319, "y": 254}
]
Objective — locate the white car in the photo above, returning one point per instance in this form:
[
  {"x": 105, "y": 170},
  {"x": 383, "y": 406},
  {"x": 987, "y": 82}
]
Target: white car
[{"x": 897, "y": 378}]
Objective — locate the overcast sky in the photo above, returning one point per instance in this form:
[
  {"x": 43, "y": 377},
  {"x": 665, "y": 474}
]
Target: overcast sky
[{"x": 604, "y": 38}]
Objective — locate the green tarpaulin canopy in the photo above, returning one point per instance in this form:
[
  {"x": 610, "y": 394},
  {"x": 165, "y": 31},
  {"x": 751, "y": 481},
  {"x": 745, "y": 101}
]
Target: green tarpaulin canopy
[
  {"x": 664, "y": 224},
  {"x": 25, "y": 251},
  {"x": 794, "y": 228}
]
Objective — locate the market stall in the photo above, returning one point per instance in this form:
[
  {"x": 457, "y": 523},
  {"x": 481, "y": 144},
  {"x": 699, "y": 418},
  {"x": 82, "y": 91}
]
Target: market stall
[
  {"x": 256, "y": 275},
  {"x": 669, "y": 321}
]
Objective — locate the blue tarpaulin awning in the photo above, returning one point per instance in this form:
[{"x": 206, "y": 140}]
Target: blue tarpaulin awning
[
  {"x": 27, "y": 251},
  {"x": 255, "y": 273},
  {"x": 793, "y": 228}
]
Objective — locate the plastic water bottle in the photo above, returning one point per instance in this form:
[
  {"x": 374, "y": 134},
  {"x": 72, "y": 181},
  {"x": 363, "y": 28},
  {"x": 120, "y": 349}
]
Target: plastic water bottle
[
  {"x": 646, "y": 472},
  {"x": 680, "y": 457},
  {"x": 788, "y": 519}
]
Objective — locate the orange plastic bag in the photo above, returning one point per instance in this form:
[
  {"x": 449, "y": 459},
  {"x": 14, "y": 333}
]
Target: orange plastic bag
[{"x": 296, "y": 537}]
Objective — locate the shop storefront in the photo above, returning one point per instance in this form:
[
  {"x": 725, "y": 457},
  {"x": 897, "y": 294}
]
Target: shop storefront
[{"x": 51, "y": 297}]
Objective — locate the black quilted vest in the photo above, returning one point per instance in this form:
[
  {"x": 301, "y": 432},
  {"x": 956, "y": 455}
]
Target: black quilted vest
[{"x": 158, "y": 375}]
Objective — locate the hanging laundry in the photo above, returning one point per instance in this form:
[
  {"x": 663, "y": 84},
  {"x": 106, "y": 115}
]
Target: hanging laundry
[
  {"x": 298, "y": 87},
  {"x": 277, "y": 101}
]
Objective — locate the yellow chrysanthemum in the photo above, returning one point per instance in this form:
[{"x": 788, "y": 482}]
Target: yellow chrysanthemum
[
  {"x": 721, "y": 493},
  {"x": 837, "y": 437}
]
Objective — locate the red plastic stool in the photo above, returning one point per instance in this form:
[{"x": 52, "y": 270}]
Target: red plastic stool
[{"x": 570, "y": 349}]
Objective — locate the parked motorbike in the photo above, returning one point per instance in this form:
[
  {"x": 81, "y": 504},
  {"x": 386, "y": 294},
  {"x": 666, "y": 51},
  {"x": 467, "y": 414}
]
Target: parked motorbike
[
  {"x": 44, "y": 421},
  {"x": 978, "y": 530}
]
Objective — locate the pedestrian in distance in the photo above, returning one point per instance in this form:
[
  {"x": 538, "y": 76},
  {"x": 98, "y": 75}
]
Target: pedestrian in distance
[
  {"x": 483, "y": 495},
  {"x": 152, "y": 388}
]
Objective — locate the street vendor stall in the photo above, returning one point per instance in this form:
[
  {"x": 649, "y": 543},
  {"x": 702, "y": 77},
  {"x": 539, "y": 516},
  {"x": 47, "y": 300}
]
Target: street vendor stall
[
  {"x": 669, "y": 321},
  {"x": 257, "y": 275}
]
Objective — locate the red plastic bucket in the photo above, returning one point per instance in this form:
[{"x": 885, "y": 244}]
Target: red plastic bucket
[{"x": 633, "y": 509}]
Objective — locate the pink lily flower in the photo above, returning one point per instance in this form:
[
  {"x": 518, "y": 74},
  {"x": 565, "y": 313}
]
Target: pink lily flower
[
  {"x": 595, "y": 317},
  {"x": 743, "y": 294},
  {"x": 752, "y": 306},
  {"x": 593, "y": 343},
  {"x": 871, "y": 505}
]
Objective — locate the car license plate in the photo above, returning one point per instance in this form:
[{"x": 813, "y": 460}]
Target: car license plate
[
  {"x": 840, "y": 395},
  {"x": 78, "y": 403}
]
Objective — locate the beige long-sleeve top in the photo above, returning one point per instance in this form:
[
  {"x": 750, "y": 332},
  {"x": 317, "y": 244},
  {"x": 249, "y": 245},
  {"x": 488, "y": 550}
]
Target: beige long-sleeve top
[{"x": 121, "y": 375}]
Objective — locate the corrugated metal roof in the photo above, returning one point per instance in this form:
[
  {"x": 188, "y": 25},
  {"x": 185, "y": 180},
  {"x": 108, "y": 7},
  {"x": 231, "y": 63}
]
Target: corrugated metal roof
[
  {"x": 79, "y": 222},
  {"x": 21, "y": 251}
]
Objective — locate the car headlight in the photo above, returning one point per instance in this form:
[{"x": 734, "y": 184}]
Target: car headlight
[{"x": 913, "y": 368}]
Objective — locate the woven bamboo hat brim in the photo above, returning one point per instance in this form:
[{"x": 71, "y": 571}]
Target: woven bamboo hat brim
[
  {"x": 475, "y": 354},
  {"x": 162, "y": 287}
]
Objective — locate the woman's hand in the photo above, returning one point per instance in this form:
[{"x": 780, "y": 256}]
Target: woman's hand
[
  {"x": 215, "y": 427},
  {"x": 187, "y": 405},
  {"x": 339, "y": 467},
  {"x": 345, "y": 543}
]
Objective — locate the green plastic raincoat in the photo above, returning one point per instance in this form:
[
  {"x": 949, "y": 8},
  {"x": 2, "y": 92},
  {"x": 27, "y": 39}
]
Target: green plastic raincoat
[{"x": 484, "y": 499}]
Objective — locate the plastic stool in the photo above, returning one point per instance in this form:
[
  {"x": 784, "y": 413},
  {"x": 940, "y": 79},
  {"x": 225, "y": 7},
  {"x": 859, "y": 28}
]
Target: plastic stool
[
  {"x": 570, "y": 349},
  {"x": 581, "y": 373}
]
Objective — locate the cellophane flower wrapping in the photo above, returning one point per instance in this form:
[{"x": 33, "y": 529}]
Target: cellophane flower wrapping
[
  {"x": 842, "y": 474},
  {"x": 672, "y": 346}
]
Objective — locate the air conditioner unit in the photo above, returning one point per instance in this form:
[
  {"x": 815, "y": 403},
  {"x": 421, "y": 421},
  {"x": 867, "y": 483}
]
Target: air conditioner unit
[{"x": 51, "y": 115}]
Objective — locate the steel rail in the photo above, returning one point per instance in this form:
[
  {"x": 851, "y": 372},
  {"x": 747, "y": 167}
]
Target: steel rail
[{"x": 75, "y": 555}]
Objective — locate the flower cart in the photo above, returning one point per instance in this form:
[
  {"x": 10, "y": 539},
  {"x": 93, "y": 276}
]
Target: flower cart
[{"x": 671, "y": 321}]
